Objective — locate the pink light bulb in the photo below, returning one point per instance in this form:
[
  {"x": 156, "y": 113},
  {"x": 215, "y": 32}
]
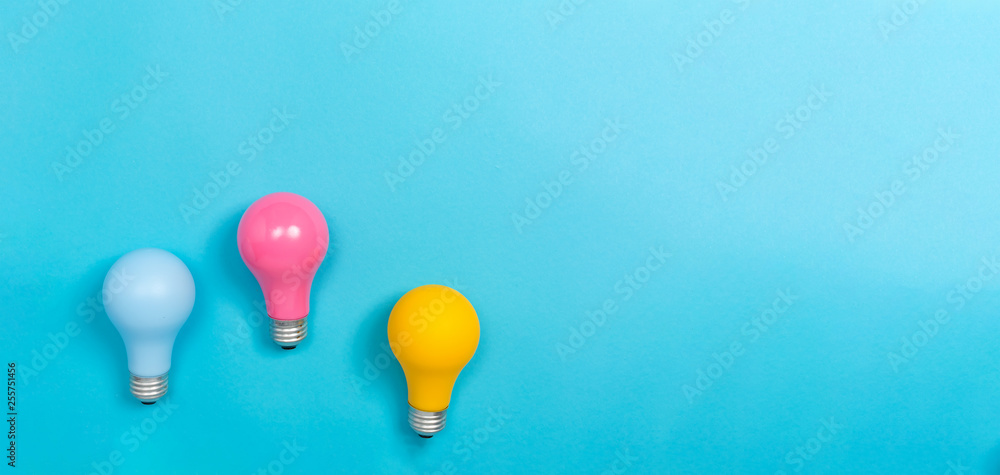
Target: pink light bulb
[{"x": 283, "y": 238}]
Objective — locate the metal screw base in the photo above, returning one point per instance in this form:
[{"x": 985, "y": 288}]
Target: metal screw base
[
  {"x": 288, "y": 333},
  {"x": 148, "y": 390},
  {"x": 426, "y": 424}
]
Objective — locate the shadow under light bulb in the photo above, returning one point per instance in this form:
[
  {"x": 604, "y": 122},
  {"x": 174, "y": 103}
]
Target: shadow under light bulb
[
  {"x": 433, "y": 331},
  {"x": 283, "y": 238},
  {"x": 148, "y": 295}
]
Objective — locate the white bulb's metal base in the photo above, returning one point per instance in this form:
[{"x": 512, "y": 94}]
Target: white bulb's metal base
[
  {"x": 288, "y": 333},
  {"x": 426, "y": 424},
  {"x": 148, "y": 390}
]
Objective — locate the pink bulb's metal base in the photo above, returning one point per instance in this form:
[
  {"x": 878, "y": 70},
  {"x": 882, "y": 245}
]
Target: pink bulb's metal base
[{"x": 288, "y": 333}]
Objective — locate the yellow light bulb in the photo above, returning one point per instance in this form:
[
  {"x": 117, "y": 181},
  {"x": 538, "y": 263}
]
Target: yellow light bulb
[{"x": 433, "y": 331}]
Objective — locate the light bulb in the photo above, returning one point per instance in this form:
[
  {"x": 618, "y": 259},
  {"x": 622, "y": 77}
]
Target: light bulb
[
  {"x": 283, "y": 238},
  {"x": 433, "y": 331},
  {"x": 148, "y": 295}
]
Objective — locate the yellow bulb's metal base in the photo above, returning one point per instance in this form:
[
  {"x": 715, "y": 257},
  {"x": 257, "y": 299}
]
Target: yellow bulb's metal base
[
  {"x": 426, "y": 424},
  {"x": 148, "y": 390}
]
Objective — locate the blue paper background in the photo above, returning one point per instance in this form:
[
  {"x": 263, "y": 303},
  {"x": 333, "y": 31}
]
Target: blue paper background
[{"x": 689, "y": 115}]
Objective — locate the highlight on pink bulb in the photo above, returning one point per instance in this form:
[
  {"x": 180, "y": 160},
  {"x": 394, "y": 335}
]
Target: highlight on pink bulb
[{"x": 283, "y": 238}]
